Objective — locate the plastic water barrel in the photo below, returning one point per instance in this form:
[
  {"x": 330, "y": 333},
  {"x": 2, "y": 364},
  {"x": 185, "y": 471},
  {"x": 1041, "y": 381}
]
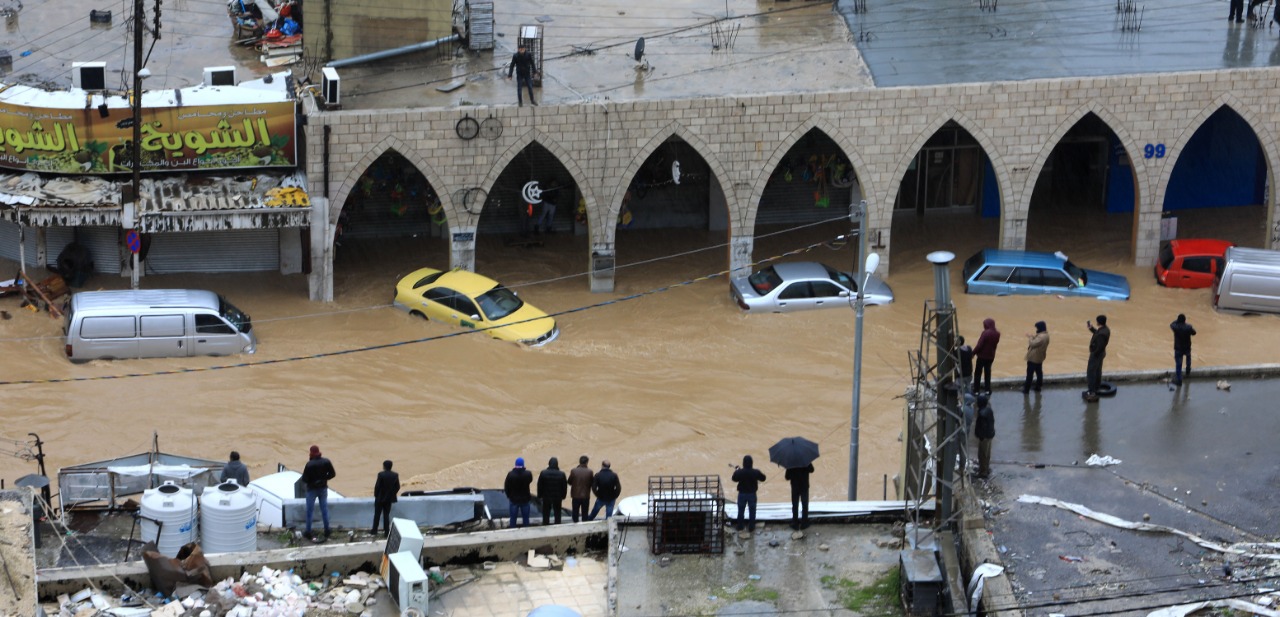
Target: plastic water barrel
[
  {"x": 175, "y": 508},
  {"x": 228, "y": 519}
]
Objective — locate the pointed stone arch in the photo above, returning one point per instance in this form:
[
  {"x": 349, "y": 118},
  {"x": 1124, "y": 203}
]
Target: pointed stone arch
[
  {"x": 414, "y": 157},
  {"x": 1141, "y": 184},
  {"x": 1270, "y": 152},
  {"x": 1003, "y": 181},
  {"x": 1249, "y": 115},
  {"x": 699, "y": 145},
  {"x": 826, "y": 127},
  {"x": 558, "y": 151}
]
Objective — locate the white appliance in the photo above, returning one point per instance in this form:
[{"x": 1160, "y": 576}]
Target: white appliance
[
  {"x": 403, "y": 537},
  {"x": 331, "y": 87},
  {"x": 407, "y": 583}
]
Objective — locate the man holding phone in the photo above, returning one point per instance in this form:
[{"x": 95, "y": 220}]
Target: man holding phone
[{"x": 1097, "y": 351}]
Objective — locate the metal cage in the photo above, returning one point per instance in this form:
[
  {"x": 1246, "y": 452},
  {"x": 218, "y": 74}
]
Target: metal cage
[{"x": 686, "y": 515}]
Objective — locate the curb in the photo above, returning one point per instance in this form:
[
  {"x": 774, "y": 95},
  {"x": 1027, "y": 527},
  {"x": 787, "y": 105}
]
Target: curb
[{"x": 1246, "y": 370}]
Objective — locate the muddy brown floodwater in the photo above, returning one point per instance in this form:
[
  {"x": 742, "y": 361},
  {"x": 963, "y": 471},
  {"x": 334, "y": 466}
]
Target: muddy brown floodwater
[{"x": 678, "y": 382}]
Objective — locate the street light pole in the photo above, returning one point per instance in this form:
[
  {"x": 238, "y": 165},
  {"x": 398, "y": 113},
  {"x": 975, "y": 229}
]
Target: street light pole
[{"x": 865, "y": 267}]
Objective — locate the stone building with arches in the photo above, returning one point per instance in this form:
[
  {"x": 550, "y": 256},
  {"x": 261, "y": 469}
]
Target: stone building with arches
[{"x": 741, "y": 141}]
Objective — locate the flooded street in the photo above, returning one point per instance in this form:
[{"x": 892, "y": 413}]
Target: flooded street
[{"x": 675, "y": 382}]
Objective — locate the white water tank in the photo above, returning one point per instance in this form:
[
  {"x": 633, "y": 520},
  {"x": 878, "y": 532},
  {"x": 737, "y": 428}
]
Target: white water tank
[
  {"x": 175, "y": 509},
  {"x": 228, "y": 519}
]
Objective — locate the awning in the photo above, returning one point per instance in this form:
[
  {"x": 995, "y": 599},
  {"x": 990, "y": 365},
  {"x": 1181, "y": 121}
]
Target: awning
[{"x": 181, "y": 202}]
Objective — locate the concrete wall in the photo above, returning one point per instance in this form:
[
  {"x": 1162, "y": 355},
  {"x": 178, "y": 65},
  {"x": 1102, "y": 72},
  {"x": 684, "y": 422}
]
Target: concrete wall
[
  {"x": 367, "y": 26},
  {"x": 743, "y": 138}
]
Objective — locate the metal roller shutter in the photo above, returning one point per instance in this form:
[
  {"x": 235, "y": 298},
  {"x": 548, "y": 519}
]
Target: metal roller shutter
[
  {"x": 104, "y": 244},
  {"x": 241, "y": 250},
  {"x": 56, "y": 238}
]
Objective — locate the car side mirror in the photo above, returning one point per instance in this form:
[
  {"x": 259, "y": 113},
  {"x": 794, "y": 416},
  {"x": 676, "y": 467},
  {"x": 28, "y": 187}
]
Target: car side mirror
[
  {"x": 475, "y": 318},
  {"x": 845, "y": 294}
]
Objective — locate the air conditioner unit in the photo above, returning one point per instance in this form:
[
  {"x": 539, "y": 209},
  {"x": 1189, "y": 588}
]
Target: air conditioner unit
[
  {"x": 331, "y": 87},
  {"x": 403, "y": 537},
  {"x": 407, "y": 583},
  {"x": 220, "y": 76},
  {"x": 89, "y": 75}
]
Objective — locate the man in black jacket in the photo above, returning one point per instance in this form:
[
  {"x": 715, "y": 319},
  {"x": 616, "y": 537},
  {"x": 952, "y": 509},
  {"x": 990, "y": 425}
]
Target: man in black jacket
[
  {"x": 607, "y": 488},
  {"x": 522, "y": 66},
  {"x": 799, "y": 479},
  {"x": 316, "y": 476},
  {"x": 1182, "y": 333},
  {"x": 516, "y": 488},
  {"x": 984, "y": 428},
  {"x": 748, "y": 479},
  {"x": 385, "y": 491},
  {"x": 552, "y": 487},
  {"x": 1097, "y": 352}
]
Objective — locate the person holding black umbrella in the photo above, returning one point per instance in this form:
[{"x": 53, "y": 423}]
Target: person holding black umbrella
[
  {"x": 796, "y": 455},
  {"x": 799, "y": 479}
]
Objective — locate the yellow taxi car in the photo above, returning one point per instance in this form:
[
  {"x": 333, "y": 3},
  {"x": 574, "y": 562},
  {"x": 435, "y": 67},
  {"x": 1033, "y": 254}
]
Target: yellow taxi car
[{"x": 474, "y": 301}]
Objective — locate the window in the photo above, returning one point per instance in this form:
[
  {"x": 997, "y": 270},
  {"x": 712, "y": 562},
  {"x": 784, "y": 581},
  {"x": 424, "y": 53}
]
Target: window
[
  {"x": 107, "y": 327},
  {"x": 825, "y": 289},
  {"x": 995, "y": 274},
  {"x": 1026, "y": 276},
  {"x": 1166, "y": 257},
  {"x": 428, "y": 279},
  {"x": 1056, "y": 279},
  {"x": 451, "y": 300},
  {"x": 765, "y": 281},
  {"x": 841, "y": 278},
  {"x": 212, "y": 324},
  {"x": 1218, "y": 263},
  {"x": 1198, "y": 264},
  {"x": 795, "y": 291},
  {"x": 163, "y": 325}
]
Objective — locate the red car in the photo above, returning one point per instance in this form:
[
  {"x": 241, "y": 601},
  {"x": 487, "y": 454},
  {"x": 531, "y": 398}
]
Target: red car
[{"x": 1190, "y": 263}]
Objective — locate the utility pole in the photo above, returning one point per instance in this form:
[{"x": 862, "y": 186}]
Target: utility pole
[{"x": 138, "y": 14}]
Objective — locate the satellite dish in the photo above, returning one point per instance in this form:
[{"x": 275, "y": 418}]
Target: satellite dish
[{"x": 639, "y": 48}]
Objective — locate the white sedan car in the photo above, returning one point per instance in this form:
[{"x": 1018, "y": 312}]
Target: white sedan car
[{"x": 801, "y": 286}]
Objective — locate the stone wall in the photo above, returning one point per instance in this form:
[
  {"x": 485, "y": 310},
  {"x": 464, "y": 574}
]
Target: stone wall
[{"x": 743, "y": 138}]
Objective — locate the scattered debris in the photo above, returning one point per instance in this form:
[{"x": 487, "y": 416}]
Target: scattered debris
[
  {"x": 1224, "y": 385},
  {"x": 1101, "y": 461}
]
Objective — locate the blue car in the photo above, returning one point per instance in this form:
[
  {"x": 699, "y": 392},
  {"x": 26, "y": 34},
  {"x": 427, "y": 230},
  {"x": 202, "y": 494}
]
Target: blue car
[{"x": 1004, "y": 273}]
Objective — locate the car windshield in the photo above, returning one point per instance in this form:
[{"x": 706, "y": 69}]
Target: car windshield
[
  {"x": 234, "y": 315},
  {"x": 499, "y": 302},
  {"x": 765, "y": 280},
  {"x": 1076, "y": 272}
]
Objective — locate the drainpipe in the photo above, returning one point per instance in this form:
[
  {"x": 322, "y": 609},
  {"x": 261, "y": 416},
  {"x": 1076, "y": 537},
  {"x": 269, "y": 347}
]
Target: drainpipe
[{"x": 399, "y": 51}]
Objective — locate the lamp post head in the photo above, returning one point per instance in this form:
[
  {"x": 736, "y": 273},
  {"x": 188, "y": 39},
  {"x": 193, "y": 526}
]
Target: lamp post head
[
  {"x": 144, "y": 73},
  {"x": 873, "y": 262},
  {"x": 940, "y": 258}
]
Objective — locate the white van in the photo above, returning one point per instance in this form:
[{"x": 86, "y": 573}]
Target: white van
[
  {"x": 155, "y": 323},
  {"x": 1249, "y": 282}
]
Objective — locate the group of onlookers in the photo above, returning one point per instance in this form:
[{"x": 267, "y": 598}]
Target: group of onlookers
[{"x": 554, "y": 485}]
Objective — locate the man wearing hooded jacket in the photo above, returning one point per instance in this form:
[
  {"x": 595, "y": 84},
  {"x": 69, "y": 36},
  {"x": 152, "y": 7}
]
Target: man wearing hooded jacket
[
  {"x": 748, "y": 479},
  {"x": 985, "y": 355}
]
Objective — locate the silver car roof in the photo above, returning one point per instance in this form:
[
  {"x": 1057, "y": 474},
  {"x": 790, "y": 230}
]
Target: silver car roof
[{"x": 795, "y": 270}]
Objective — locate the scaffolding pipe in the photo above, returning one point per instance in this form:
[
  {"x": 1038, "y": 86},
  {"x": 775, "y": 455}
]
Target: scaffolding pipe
[
  {"x": 948, "y": 395},
  {"x": 399, "y": 51}
]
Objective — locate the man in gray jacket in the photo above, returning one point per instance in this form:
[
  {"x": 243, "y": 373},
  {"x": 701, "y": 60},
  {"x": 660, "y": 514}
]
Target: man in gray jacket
[{"x": 235, "y": 470}]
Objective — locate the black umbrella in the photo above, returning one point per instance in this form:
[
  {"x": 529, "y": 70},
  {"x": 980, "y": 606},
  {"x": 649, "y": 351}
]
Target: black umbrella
[{"x": 793, "y": 452}]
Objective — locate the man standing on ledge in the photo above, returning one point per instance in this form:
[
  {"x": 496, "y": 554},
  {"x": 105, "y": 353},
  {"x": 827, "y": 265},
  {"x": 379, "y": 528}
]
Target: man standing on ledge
[
  {"x": 1182, "y": 333},
  {"x": 522, "y": 66},
  {"x": 315, "y": 476},
  {"x": 1097, "y": 351}
]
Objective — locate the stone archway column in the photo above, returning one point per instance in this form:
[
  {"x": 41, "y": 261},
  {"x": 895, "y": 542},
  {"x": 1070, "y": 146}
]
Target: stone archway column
[
  {"x": 741, "y": 248},
  {"x": 320, "y": 280},
  {"x": 462, "y": 248},
  {"x": 1146, "y": 230},
  {"x": 1013, "y": 231},
  {"x": 603, "y": 262}
]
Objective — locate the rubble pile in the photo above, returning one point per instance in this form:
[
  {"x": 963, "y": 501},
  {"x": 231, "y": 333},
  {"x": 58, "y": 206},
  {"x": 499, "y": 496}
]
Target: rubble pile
[{"x": 268, "y": 593}]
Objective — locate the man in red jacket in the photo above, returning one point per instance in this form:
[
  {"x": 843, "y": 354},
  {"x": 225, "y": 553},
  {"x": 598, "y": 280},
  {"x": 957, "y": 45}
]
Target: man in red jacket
[{"x": 984, "y": 354}]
